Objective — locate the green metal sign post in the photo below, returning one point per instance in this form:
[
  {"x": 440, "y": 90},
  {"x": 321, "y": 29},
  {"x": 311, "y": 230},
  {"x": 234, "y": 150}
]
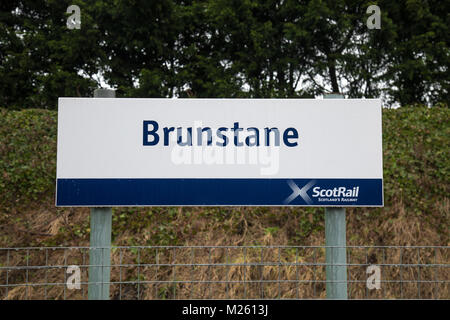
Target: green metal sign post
[
  {"x": 100, "y": 240},
  {"x": 335, "y": 241}
]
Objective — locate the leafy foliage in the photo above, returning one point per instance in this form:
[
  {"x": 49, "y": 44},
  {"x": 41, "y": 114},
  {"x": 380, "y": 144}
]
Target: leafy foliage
[
  {"x": 220, "y": 48},
  {"x": 416, "y": 157},
  {"x": 27, "y": 156},
  {"x": 40, "y": 60}
]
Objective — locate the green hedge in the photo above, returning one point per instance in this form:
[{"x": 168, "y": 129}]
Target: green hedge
[
  {"x": 27, "y": 156},
  {"x": 415, "y": 142},
  {"x": 416, "y": 155}
]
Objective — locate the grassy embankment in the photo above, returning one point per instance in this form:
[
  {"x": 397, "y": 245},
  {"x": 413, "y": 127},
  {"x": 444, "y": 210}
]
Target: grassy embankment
[{"x": 416, "y": 212}]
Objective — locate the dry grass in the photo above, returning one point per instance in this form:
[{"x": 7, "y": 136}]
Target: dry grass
[{"x": 392, "y": 226}]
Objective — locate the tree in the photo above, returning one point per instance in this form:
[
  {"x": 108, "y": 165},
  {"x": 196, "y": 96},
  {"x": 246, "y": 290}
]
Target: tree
[
  {"x": 41, "y": 58},
  {"x": 419, "y": 55},
  {"x": 224, "y": 48}
]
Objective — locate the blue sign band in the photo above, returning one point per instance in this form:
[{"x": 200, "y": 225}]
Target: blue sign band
[{"x": 218, "y": 192}]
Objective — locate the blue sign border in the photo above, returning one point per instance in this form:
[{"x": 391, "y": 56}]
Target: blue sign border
[{"x": 220, "y": 192}]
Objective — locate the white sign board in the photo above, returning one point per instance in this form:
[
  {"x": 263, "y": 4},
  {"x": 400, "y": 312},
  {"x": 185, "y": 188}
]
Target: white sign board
[{"x": 262, "y": 152}]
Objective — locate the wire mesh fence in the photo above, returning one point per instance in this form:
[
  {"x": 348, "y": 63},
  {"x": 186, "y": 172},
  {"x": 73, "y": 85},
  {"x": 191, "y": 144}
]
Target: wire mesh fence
[{"x": 225, "y": 272}]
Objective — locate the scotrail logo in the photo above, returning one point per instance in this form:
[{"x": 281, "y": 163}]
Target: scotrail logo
[
  {"x": 296, "y": 191},
  {"x": 319, "y": 194}
]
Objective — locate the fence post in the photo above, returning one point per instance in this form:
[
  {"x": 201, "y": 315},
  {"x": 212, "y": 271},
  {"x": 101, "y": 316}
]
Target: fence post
[
  {"x": 100, "y": 240},
  {"x": 335, "y": 241}
]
